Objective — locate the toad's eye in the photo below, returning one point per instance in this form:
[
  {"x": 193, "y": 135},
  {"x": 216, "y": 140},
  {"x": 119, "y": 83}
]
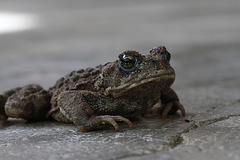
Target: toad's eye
[
  {"x": 166, "y": 55},
  {"x": 127, "y": 62}
]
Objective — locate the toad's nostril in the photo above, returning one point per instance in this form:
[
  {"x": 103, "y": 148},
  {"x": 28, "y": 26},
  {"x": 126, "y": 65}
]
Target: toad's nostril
[
  {"x": 157, "y": 64},
  {"x": 154, "y": 62}
]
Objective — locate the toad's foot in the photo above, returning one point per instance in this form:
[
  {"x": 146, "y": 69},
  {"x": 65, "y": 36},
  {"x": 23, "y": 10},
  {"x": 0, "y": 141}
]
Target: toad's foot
[
  {"x": 83, "y": 109},
  {"x": 169, "y": 108},
  {"x": 106, "y": 119}
]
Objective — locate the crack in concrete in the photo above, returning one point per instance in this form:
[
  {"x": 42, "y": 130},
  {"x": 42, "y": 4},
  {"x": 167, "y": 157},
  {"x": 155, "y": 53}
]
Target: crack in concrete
[
  {"x": 173, "y": 142},
  {"x": 211, "y": 121},
  {"x": 177, "y": 139}
]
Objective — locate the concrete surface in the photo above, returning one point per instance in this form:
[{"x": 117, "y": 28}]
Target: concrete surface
[{"x": 203, "y": 37}]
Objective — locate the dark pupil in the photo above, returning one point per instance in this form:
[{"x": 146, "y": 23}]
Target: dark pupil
[{"x": 128, "y": 61}]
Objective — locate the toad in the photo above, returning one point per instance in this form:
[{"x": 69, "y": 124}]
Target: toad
[{"x": 90, "y": 98}]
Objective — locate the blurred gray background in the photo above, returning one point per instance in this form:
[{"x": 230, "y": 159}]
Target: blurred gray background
[
  {"x": 43, "y": 40},
  {"x": 40, "y": 41}
]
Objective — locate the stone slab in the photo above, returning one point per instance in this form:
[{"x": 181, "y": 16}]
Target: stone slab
[{"x": 203, "y": 38}]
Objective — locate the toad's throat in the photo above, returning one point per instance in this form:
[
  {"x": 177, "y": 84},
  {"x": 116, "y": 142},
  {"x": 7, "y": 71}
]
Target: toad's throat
[{"x": 118, "y": 91}]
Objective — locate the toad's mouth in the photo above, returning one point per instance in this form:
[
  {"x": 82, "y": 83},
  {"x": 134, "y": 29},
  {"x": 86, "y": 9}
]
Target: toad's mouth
[{"x": 166, "y": 79}]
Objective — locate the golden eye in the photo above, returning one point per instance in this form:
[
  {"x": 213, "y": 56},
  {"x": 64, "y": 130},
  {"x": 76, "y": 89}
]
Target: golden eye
[{"x": 127, "y": 62}]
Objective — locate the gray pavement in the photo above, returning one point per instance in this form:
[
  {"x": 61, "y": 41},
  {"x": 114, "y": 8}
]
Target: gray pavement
[{"x": 203, "y": 37}]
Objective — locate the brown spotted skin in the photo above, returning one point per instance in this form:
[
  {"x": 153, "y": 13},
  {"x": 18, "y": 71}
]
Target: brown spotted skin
[{"x": 106, "y": 94}]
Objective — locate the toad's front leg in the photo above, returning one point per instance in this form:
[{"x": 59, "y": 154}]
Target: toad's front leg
[
  {"x": 88, "y": 110},
  {"x": 169, "y": 104}
]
